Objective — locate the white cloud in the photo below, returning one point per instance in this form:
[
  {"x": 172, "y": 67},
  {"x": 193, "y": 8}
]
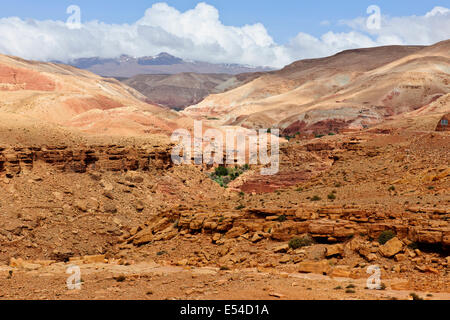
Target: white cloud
[
  {"x": 412, "y": 30},
  {"x": 198, "y": 34},
  {"x": 437, "y": 11}
]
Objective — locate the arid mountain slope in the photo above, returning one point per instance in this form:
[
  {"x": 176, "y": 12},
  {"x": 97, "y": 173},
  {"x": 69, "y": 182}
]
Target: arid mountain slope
[
  {"x": 74, "y": 98},
  {"x": 353, "y": 89},
  {"x": 185, "y": 89}
]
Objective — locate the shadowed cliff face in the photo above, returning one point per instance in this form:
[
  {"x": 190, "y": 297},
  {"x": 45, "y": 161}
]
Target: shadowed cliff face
[{"x": 185, "y": 89}]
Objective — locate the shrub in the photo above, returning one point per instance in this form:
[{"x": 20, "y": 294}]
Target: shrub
[
  {"x": 220, "y": 181},
  {"x": 282, "y": 218},
  {"x": 316, "y": 198},
  {"x": 120, "y": 278},
  {"x": 296, "y": 243},
  {"x": 385, "y": 236},
  {"x": 391, "y": 188},
  {"x": 415, "y": 296},
  {"x": 332, "y": 196},
  {"x": 223, "y": 176},
  {"x": 221, "y": 171},
  {"x": 240, "y": 207}
]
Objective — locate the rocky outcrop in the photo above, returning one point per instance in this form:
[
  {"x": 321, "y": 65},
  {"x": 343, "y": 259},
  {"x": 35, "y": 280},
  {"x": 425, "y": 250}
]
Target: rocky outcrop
[
  {"x": 15, "y": 160},
  {"x": 327, "y": 223}
]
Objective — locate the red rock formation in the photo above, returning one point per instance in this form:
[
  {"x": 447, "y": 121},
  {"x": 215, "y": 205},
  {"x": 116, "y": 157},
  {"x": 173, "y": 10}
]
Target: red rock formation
[{"x": 111, "y": 158}]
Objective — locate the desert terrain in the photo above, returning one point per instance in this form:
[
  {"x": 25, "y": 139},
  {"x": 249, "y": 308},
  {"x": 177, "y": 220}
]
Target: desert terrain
[
  {"x": 353, "y": 89},
  {"x": 87, "y": 180}
]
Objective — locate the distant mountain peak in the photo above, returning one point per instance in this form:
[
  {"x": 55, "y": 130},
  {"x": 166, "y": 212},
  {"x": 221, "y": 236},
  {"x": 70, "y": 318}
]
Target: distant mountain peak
[
  {"x": 165, "y": 54},
  {"x": 162, "y": 59}
]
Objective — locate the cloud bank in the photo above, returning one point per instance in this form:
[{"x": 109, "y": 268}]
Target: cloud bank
[{"x": 198, "y": 34}]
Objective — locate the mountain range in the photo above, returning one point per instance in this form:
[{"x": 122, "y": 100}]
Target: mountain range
[
  {"x": 352, "y": 90},
  {"x": 126, "y": 66}
]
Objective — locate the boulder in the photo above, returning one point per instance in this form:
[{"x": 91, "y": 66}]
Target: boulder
[
  {"x": 335, "y": 250},
  {"x": 371, "y": 257},
  {"x": 235, "y": 232},
  {"x": 391, "y": 248},
  {"x": 281, "y": 249},
  {"x": 285, "y": 259},
  {"x": 430, "y": 237},
  {"x": 341, "y": 272},
  {"x": 400, "y": 257},
  {"x": 25, "y": 265},
  {"x": 257, "y": 237},
  {"x": 316, "y": 252},
  {"x": 321, "y": 267},
  {"x": 94, "y": 259}
]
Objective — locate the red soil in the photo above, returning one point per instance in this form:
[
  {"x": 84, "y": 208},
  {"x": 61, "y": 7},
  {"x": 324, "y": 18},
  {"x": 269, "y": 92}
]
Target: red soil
[
  {"x": 23, "y": 79},
  {"x": 80, "y": 105}
]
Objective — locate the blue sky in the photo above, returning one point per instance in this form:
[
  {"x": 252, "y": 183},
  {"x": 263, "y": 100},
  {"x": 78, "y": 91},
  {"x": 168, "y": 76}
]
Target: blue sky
[
  {"x": 282, "y": 18},
  {"x": 256, "y": 32}
]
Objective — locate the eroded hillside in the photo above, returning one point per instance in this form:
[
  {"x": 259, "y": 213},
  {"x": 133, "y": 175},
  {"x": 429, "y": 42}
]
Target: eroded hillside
[{"x": 354, "y": 89}]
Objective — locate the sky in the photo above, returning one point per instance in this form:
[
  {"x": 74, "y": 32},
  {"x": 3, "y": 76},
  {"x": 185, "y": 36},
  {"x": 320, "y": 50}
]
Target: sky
[{"x": 269, "y": 33}]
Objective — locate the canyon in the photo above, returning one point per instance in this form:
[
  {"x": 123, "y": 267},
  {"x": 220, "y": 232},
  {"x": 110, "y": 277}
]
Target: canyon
[{"x": 87, "y": 180}]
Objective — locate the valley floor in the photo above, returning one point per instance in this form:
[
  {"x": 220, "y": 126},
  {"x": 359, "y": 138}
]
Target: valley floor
[{"x": 150, "y": 281}]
